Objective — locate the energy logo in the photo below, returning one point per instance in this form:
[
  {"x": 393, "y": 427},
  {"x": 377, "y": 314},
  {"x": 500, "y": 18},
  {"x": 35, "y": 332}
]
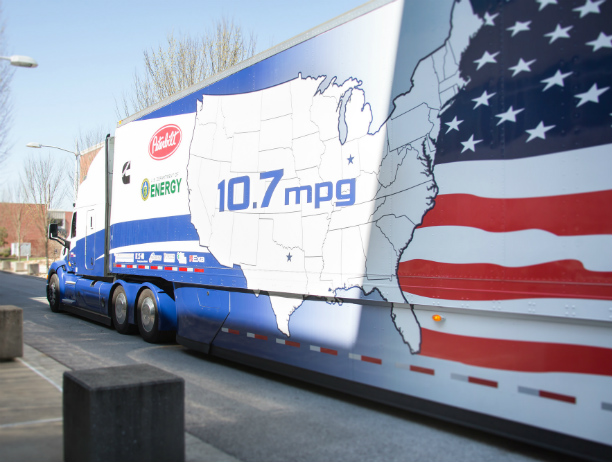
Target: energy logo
[{"x": 145, "y": 189}]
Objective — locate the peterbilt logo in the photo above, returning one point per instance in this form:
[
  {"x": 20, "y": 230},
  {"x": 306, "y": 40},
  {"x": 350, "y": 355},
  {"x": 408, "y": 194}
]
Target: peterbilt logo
[{"x": 165, "y": 142}]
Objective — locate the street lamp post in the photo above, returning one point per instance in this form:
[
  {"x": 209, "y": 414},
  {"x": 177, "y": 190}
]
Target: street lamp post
[
  {"x": 20, "y": 61},
  {"x": 76, "y": 154}
]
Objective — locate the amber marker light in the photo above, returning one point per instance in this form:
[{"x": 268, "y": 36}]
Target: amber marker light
[{"x": 437, "y": 318}]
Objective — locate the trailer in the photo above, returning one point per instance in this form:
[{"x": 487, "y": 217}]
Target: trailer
[{"x": 409, "y": 203}]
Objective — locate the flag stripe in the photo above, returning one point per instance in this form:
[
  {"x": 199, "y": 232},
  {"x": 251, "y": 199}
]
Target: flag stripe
[
  {"x": 484, "y": 281},
  {"x": 461, "y": 244},
  {"x": 590, "y": 212},
  {"x": 516, "y": 355},
  {"x": 569, "y": 172}
]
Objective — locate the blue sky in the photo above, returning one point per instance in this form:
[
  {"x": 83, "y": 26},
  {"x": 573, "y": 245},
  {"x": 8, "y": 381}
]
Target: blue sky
[{"x": 88, "y": 52}]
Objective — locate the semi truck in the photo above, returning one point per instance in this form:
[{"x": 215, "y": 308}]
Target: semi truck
[{"x": 410, "y": 202}]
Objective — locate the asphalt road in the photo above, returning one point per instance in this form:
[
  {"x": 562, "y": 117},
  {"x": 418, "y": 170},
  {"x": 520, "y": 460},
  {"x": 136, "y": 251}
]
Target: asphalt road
[{"x": 254, "y": 415}]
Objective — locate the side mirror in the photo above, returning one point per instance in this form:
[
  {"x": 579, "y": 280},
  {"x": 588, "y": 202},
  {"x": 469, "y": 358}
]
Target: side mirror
[{"x": 53, "y": 233}]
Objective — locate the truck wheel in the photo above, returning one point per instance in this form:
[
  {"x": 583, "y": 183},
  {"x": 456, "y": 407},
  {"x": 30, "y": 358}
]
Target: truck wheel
[
  {"x": 148, "y": 318},
  {"x": 53, "y": 293},
  {"x": 119, "y": 312}
]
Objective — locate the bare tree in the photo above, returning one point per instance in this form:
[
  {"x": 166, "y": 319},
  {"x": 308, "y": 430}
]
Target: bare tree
[
  {"x": 185, "y": 61},
  {"x": 6, "y": 74},
  {"x": 43, "y": 185},
  {"x": 91, "y": 137}
]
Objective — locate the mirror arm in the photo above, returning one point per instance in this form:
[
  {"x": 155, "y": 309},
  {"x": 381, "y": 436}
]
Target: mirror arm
[{"x": 62, "y": 241}]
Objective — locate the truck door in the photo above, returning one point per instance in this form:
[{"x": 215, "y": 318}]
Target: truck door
[{"x": 90, "y": 240}]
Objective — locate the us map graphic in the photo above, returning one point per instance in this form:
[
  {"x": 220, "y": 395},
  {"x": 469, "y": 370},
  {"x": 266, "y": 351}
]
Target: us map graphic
[{"x": 293, "y": 184}]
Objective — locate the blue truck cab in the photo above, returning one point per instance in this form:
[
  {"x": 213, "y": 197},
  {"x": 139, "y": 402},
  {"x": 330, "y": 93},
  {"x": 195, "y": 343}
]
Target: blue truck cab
[{"x": 82, "y": 283}]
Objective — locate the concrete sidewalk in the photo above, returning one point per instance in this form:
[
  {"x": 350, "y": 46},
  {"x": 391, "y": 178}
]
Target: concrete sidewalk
[{"x": 31, "y": 427}]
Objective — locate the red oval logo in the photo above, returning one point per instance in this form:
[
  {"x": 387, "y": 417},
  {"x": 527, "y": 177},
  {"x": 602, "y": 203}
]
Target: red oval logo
[{"x": 165, "y": 141}]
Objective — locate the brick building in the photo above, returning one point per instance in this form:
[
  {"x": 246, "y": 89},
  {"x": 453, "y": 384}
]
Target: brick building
[{"x": 25, "y": 220}]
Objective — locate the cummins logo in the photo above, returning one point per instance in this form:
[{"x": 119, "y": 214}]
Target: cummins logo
[
  {"x": 165, "y": 142},
  {"x": 126, "y": 168}
]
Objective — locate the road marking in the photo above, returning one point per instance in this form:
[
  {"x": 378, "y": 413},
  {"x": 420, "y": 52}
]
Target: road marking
[
  {"x": 31, "y": 422},
  {"x": 41, "y": 374},
  {"x": 40, "y": 299}
]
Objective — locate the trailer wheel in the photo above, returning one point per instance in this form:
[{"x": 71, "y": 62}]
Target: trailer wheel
[
  {"x": 53, "y": 293},
  {"x": 148, "y": 317},
  {"x": 119, "y": 312}
]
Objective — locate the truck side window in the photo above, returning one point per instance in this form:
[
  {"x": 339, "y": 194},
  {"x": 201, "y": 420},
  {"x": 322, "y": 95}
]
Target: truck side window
[{"x": 73, "y": 227}]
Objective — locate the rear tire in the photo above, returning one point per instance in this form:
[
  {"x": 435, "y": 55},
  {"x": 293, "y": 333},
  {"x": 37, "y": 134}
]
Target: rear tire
[
  {"x": 147, "y": 315},
  {"x": 119, "y": 312},
  {"x": 53, "y": 293}
]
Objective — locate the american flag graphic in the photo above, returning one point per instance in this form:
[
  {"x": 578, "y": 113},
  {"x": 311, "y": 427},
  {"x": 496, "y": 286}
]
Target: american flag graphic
[{"x": 523, "y": 216}]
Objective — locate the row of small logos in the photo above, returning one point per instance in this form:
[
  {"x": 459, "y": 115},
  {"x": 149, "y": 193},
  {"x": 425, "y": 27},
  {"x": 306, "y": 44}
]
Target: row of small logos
[{"x": 166, "y": 257}]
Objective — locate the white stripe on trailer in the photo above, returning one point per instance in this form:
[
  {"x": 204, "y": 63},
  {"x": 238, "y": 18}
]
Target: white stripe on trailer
[
  {"x": 413, "y": 368},
  {"x": 367, "y": 359},
  {"x": 550, "y": 395},
  {"x": 287, "y": 342},
  {"x": 475, "y": 380},
  {"x": 257, "y": 336},
  {"x": 327, "y": 351},
  {"x": 230, "y": 331}
]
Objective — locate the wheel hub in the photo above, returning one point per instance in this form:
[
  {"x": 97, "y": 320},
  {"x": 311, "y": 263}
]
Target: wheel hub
[
  {"x": 121, "y": 308},
  {"x": 148, "y": 314}
]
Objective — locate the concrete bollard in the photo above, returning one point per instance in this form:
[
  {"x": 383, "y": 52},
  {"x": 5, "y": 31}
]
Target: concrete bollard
[
  {"x": 5, "y": 265},
  {"x": 18, "y": 266},
  {"x": 11, "y": 332},
  {"x": 124, "y": 413},
  {"x": 33, "y": 269}
]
